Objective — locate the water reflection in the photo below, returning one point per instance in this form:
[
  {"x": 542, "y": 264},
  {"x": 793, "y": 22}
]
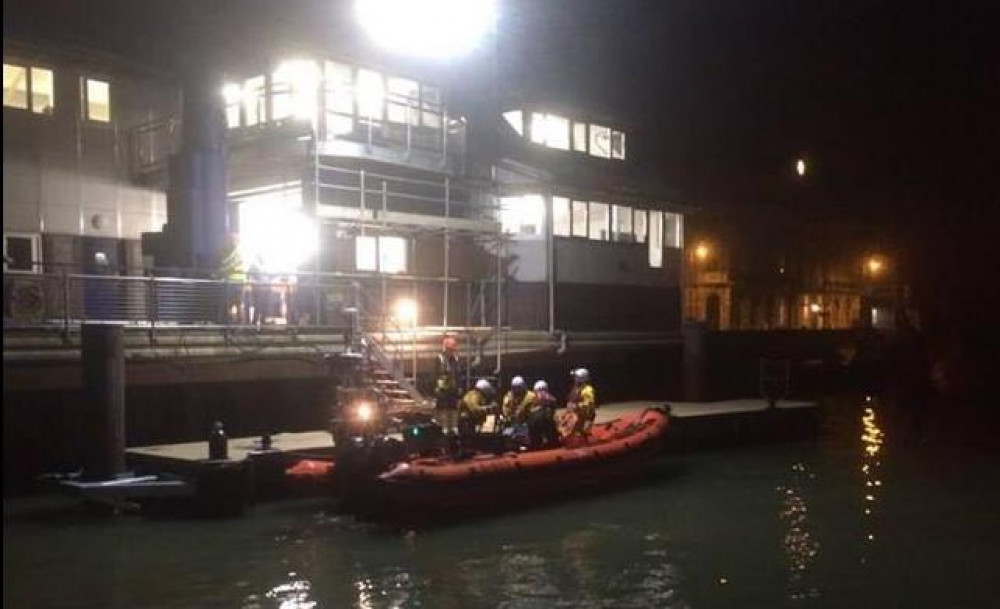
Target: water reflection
[
  {"x": 799, "y": 541},
  {"x": 292, "y": 594},
  {"x": 872, "y": 439}
]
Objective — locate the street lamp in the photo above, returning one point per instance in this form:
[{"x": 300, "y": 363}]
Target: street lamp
[
  {"x": 435, "y": 29},
  {"x": 800, "y": 167},
  {"x": 874, "y": 265},
  {"x": 702, "y": 251}
]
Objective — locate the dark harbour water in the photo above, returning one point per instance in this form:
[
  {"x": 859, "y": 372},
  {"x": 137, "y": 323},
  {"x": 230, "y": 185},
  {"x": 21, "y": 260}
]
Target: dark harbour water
[{"x": 865, "y": 517}]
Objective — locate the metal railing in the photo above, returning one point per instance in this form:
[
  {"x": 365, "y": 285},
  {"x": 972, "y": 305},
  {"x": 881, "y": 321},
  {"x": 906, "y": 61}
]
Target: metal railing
[{"x": 68, "y": 298}]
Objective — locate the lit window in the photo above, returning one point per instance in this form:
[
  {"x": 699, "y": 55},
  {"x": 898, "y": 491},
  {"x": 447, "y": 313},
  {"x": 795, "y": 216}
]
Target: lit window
[
  {"x": 550, "y": 130},
  {"x": 371, "y": 94},
  {"x": 15, "y": 87},
  {"x": 366, "y": 253},
  {"x": 639, "y": 224},
  {"x": 339, "y": 102},
  {"x": 433, "y": 109},
  {"x": 621, "y": 220},
  {"x": 600, "y": 141},
  {"x": 524, "y": 215},
  {"x": 599, "y": 221},
  {"x": 515, "y": 118},
  {"x": 254, "y": 101},
  {"x": 392, "y": 254},
  {"x": 656, "y": 239},
  {"x": 232, "y": 96},
  {"x": 562, "y": 219},
  {"x": 404, "y": 101},
  {"x": 22, "y": 253},
  {"x": 617, "y": 145},
  {"x": 42, "y": 93},
  {"x": 28, "y": 87},
  {"x": 98, "y": 100},
  {"x": 294, "y": 91},
  {"x": 580, "y": 137},
  {"x": 579, "y": 218},
  {"x": 673, "y": 230},
  {"x": 385, "y": 254}
]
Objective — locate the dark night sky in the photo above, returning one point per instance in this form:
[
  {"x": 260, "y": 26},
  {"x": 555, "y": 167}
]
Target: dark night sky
[{"x": 894, "y": 103}]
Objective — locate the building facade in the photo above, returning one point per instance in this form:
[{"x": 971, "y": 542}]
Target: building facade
[
  {"x": 324, "y": 160},
  {"x": 75, "y": 123}
]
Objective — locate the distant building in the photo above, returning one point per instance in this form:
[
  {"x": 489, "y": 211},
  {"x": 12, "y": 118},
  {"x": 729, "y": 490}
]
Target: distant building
[{"x": 743, "y": 275}]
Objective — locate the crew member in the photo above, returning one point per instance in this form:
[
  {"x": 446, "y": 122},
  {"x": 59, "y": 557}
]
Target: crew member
[
  {"x": 582, "y": 402},
  {"x": 542, "y": 422},
  {"x": 475, "y": 405},
  {"x": 231, "y": 270},
  {"x": 446, "y": 387},
  {"x": 518, "y": 403}
]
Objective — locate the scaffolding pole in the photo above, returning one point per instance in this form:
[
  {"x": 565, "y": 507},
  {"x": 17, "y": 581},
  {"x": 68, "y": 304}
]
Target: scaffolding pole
[{"x": 447, "y": 250}]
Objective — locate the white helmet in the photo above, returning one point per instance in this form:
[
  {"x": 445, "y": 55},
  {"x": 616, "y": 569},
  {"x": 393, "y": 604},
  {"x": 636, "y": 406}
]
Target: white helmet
[
  {"x": 541, "y": 386},
  {"x": 484, "y": 386},
  {"x": 581, "y": 374},
  {"x": 517, "y": 381}
]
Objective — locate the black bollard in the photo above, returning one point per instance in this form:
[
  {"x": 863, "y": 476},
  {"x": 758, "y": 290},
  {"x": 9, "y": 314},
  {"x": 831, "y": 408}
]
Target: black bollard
[
  {"x": 102, "y": 361},
  {"x": 218, "y": 443},
  {"x": 695, "y": 356}
]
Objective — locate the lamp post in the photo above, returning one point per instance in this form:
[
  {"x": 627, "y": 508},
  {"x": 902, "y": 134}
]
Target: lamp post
[{"x": 873, "y": 268}]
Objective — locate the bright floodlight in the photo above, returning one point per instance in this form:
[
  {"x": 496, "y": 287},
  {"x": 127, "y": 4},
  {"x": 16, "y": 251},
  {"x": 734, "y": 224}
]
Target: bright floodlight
[
  {"x": 800, "y": 167},
  {"x": 426, "y": 28},
  {"x": 276, "y": 235},
  {"x": 364, "y": 412},
  {"x": 405, "y": 311}
]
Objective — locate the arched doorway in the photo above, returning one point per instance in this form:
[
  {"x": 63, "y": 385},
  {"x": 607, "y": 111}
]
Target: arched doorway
[{"x": 713, "y": 311}]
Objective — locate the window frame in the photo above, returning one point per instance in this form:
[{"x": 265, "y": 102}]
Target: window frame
[
  {"x": 379, "y": 266},
  {"x": 591, "y": 205},
  {"x": 35, "y": 239},
  {"x": 29, "y": 88},
  {"x": 85, "y": 81}
]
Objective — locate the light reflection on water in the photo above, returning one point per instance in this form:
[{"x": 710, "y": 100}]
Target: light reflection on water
[{"x": 787, "y": 525}]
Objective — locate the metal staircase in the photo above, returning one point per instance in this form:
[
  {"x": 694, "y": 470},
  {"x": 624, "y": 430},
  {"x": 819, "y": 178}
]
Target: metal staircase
[{"x": 387, "y": 380}]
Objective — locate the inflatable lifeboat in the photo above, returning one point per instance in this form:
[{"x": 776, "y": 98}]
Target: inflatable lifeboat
[{"x": 423, "y": 488}]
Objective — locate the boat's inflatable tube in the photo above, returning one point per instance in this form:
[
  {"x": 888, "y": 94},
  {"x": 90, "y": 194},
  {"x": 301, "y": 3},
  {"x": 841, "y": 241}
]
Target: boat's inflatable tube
[
  {"x": 310, "y": 469},
  {"x": 606, "y": 441}
]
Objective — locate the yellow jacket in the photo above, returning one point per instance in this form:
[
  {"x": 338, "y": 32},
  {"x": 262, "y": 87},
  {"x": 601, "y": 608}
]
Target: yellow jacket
[
  {"x": 473, "y": 405},
  {"x": 584, "y": 397},
  {"x": 515, "y": 409}
]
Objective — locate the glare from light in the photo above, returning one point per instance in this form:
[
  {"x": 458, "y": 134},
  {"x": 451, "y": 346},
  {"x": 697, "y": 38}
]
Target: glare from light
[
  {"x": 523, "y": 215},
  {"x": 434, "y": 29},
  {"x": 232, "y": 93},
  {"x": 275, "y": 235},
  {"x": 405, "y": 311},
  {"x": 815, "y": 308},
  {"x": 800, "y": 167},
  {"x": 298, "y": 80},
  {"x": 702, "y": 251},
  {"x": 875, "y": 265},
  {"x": 364, "y": 412}
]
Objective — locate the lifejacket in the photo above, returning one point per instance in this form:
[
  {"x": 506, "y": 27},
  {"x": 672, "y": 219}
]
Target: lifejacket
[{"x": 518, "y": 408}]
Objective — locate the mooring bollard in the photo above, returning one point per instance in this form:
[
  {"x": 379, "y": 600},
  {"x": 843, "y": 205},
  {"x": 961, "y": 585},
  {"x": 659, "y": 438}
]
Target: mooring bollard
[
  {"x": 218, "y": 443},
  {"x": 102, "y": 355}
]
